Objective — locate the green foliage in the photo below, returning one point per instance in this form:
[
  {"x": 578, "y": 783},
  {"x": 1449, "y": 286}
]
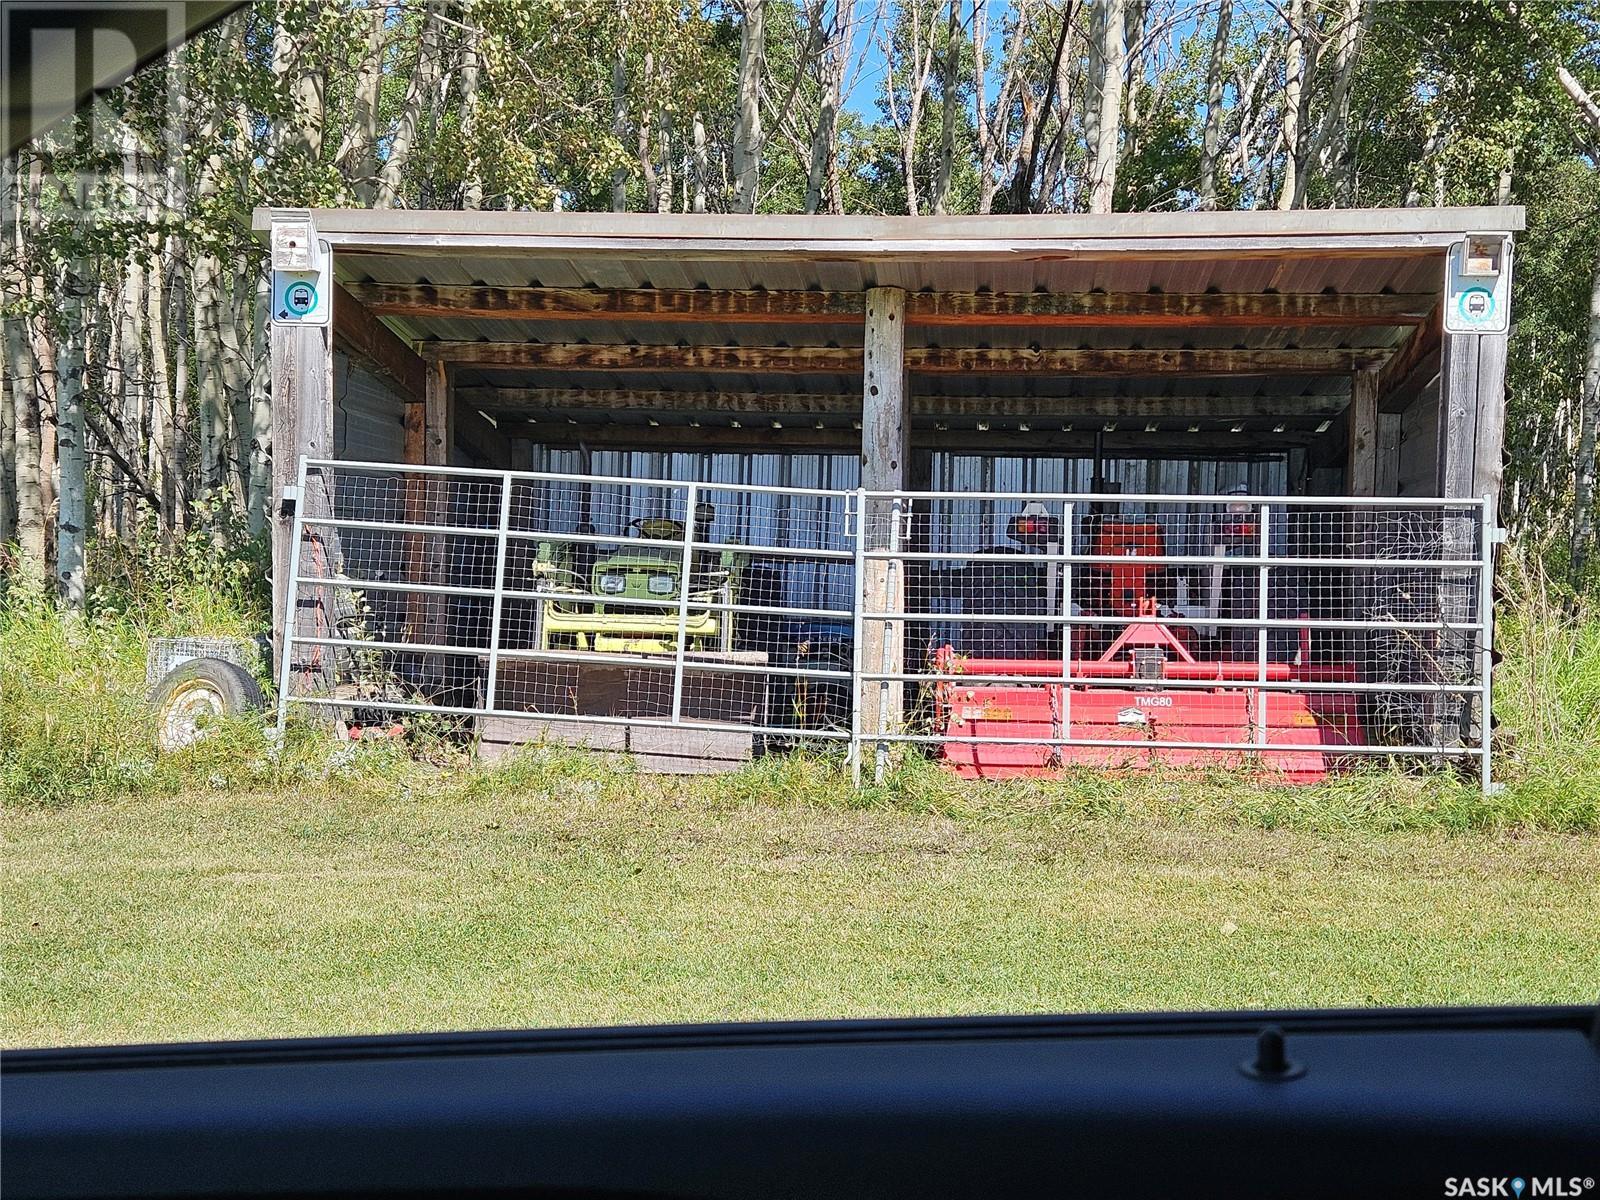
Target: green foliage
[
  {"x": 213, "y": 580},
  {"x": 75, "y": 728}
]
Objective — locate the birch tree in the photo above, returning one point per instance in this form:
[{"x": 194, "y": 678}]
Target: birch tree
[
  {"x": 1294, "y": 66},
  {"x": 421, "y": 88},
  {"x": 1211, "y": 138},
  {"x": 1112, "y": 60},
  {"x": 747, "y": 139}
]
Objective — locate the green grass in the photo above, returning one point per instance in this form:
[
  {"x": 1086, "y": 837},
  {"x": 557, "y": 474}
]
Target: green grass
[
  {"x": 605, "y": 898},
  {"x": 247, "y": 887}
]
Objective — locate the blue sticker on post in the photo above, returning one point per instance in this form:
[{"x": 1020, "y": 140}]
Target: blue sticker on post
[
  {"x": 1476, "y": 306},
  {"x": 300, "y": 297}
]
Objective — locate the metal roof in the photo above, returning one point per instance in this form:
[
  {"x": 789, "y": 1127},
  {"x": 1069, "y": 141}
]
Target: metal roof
[{"x": 1307, "y": 251}]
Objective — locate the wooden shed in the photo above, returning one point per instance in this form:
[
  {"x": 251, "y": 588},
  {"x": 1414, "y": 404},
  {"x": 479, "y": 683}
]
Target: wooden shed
[{"x": 1312, "y": 353}]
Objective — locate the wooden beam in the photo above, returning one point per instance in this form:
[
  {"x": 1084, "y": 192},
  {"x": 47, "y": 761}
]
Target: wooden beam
[
  {"x": 369, "y": 339},
  {"x": 634, "y": 304},
  {"x": 1181, "y": 309},
  {"x": 1472, "y": 414},
  {"x": 1361, "y": 470},
  {"x": 437, "y": 437},
  {"x": 963, "y": 361},
  {"x": 1044, "y": 309},
  {"x": 1131, "y": 443},
  {"x": 1413, "y": 367},
  {"x": 538, "y": 400},
  {"x": 583, "y": 356},
  {"x": 885, "y": 391}
]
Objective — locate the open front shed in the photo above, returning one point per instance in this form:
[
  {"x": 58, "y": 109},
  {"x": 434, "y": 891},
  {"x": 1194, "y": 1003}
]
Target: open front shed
[{"x": 1343, "y": 353}]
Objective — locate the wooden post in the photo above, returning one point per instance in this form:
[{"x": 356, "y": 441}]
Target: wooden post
[
  {"x": 302, "y": 426},
  {"x": 885, "y": 454},
  {"x": 1361, "y": 469},
  {"x": 427, "y": 443},
  {"x": 437, "y": 416},
  {"x": 1471, "y": 440},
  {"x": 1361, "y": 479}
]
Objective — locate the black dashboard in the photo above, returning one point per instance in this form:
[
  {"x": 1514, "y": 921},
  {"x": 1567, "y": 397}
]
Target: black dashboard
[{"x": 1439, "y": 1102}]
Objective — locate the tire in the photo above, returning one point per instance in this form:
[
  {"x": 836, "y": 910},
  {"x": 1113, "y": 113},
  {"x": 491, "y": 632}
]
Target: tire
[{"x": 194, "y": 694}]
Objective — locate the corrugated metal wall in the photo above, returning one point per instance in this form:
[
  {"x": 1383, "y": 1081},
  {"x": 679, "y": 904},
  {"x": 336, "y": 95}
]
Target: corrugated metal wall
[
  {"x": 960, "y": 526},
  {"x": 369, "y": 426},
  {"x": 368, "y": 416}
]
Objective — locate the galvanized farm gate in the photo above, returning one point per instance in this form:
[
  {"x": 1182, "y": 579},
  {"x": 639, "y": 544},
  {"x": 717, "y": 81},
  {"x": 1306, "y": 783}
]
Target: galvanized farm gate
[{"x": 1010, "y": 632}]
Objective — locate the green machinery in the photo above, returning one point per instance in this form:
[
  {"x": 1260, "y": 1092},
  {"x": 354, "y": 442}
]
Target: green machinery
[{"x": 637, "y": 577}]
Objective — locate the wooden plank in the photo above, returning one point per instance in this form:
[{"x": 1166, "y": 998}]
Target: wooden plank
[
  {"x": 583, "y": 356},
  {"x": 363, "y": 335},
  {"x": 1399, "y": 250},
  {"x": 540, "y": 400},
  {"x": 885, "y": 461},
  {"x": 437, "y": 415},
  {"x": 634, "y": 304},
  {"x": 1183, "y": 310},
  {"x": 302, "y": 426},
  {"x": 1413, "y": 367},
  {"x": 429, "y": 501},
  {"x": 1458, "y": 414},
  {"x": 1488, "y": 459},
  {"x": 671, "y": 233},
  {"x": 1040, "y": 309},
  {"x": 762, "y": 438},
  {"x": 1390, "y": 430},
  {"x": 970, "y": 361},
  {"x": 1361, "y": 470},
  {"x": 885, "y": 391}
]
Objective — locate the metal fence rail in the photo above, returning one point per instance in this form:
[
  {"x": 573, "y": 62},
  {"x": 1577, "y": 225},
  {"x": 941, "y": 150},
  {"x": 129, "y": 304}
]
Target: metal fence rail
[{"x": 1010, "y": 633}]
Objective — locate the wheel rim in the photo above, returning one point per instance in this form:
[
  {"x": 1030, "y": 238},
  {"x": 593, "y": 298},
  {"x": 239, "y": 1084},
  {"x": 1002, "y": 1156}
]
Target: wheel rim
[{"x": 189, "y": 714}]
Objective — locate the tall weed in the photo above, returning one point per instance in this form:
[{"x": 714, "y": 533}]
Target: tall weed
[{"x": 74, "y": 726}]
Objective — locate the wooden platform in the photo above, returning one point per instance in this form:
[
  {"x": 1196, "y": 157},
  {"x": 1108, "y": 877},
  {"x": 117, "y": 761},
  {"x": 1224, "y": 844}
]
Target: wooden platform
[{"x": 625, "y": 694}]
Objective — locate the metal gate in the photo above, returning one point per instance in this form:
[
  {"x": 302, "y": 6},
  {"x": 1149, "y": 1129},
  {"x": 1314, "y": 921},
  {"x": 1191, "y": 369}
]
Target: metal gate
[{"x": 1010, "y": 633}]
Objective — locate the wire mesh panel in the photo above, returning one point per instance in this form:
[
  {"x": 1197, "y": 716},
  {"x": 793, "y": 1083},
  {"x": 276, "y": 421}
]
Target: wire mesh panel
[
  {"x": 1005, "y": 632},
  {"x": 1292, "y": 635},
  {"x": 588, "y": 608}
]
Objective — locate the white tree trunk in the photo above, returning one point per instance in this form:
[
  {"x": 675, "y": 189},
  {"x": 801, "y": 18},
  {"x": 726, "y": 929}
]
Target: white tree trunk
[
  {"x": 30, "y": 497},
  {"x": 747, "y": 136},
  {"x": 1583, "y": 490},
  {"x": 700, "y": 167},
  {"x": 619, "y": 124},
  {"x": 467, "y": 81},
  {"x": 258, "y": 428},
  {"x": 1294, "y": 68},
  {"x": 362, "y": 162},
  {"x": 72, "y": 517},
  {"x": 825, "y": 140},
  {"x": 951, "y": 61},
  {"x": 1211, "y": 141},
  {"x": 1108, "y": 128},
  {"x": 8, "y": 452},
  {"x": 420, "y": 88}
]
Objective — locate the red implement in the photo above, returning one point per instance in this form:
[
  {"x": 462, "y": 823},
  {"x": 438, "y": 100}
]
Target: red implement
[{"x": 1138, "y": 720}]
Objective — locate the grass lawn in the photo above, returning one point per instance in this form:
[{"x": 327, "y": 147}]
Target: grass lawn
[{"x": 599, "y": 900}]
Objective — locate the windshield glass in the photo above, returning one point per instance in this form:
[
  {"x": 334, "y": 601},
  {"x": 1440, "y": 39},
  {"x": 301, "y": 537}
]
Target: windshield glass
[{"x": 574, "y": 514}]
